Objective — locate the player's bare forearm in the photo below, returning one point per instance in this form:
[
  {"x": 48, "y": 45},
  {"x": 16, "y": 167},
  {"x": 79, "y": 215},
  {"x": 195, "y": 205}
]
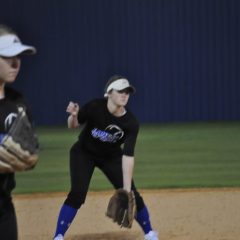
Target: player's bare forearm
[
  {"x": 72, "y": 109},
  {"x": 127, "y": 167},
  {"x": 72, "y": 122}
]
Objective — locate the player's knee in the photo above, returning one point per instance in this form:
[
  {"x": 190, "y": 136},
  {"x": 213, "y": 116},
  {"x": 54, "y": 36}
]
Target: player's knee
[
  {"x": 139, "y": 202},
  {"x": 75, "y": 199}
]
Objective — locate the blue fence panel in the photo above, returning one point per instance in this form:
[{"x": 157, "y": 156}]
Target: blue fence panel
[{"x": 182, "y": 55}]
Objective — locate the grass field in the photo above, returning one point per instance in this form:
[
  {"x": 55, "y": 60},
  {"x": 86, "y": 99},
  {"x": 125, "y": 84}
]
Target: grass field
[{"x": 167, "y": 156}]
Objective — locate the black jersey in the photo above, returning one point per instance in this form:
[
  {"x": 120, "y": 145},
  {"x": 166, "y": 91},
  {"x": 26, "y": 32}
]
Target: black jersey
[
  {"x": 104, "y": 134},
  {"x": 8, "y": 113}
]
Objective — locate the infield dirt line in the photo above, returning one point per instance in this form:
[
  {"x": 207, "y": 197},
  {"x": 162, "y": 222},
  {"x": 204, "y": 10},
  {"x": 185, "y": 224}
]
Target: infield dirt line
[{"x": 177, "y": 214}]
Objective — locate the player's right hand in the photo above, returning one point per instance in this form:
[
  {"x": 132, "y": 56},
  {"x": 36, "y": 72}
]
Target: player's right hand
[{"x": 73, "y": 108}]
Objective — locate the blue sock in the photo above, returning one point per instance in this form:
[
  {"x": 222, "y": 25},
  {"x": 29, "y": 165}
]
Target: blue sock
[
  {"x": 143, "y": 220},
  {"x": 65, "y": 218}
]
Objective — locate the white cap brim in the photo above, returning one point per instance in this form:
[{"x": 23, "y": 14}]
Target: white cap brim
[
  {"x": 11, "y": 46},
  {"x": 16, "y": 50},
  {"x": 120, "y": 84}
]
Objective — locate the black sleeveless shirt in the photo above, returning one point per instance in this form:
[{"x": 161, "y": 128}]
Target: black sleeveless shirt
[{"x": 104, "y": 134}]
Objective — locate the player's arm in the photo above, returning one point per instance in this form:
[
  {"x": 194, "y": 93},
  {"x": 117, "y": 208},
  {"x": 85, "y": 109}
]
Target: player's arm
[
  {"x": 128, "y": 156},
  {"x": 72, "y": 109},
  {"x": 127, "y": 167}
]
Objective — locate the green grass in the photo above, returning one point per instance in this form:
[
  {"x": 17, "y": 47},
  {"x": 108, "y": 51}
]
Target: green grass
[{"x": 167, "y": 156}]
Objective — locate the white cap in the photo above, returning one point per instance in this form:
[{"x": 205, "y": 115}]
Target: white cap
[
  {"x": 10, "y": 46},
  {"x": 119, "y": 84}
]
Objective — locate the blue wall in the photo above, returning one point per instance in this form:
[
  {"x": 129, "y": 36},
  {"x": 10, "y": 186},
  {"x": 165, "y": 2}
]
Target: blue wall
[{"x": 182, "y": 55}]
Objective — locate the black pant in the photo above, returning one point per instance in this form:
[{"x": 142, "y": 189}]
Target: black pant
[
  {"x": 82, "y": 165},
  {"x": 8, "y": 222}
]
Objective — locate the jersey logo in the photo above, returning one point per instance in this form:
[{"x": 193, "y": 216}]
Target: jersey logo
[
  {"x": 112, "y": 133},
  {"x": 9, "y": 120}
]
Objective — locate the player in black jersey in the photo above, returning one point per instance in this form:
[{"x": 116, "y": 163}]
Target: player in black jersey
[
  {"x": 10, "y": 99},
  {"x": 107, "y": 141}
]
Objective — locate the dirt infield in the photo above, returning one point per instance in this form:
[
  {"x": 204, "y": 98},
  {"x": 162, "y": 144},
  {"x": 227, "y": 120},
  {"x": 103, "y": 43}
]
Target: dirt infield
[{"x": 194, "y": 214}]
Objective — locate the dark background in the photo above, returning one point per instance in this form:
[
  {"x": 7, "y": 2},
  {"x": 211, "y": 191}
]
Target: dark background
[{"x": 182, "y": 55}]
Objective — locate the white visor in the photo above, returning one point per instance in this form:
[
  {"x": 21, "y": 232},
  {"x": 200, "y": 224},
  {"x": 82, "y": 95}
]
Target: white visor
[
  {"x": 10, "y": 46},
  {"x": 119, "y": 85}
]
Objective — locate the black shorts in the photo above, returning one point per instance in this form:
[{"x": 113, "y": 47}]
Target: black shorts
[
  {"x": 8, "y": 222},
  {"x": 82, "y": 165}
]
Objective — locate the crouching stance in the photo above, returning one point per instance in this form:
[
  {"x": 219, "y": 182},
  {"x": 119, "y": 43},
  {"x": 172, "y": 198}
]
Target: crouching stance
[{"x": 108, "y": 125}]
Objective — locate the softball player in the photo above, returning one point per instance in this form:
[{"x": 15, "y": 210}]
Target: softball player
[
  {"x": 109, "y": 124},
  {"x": 10, "y": 99}
]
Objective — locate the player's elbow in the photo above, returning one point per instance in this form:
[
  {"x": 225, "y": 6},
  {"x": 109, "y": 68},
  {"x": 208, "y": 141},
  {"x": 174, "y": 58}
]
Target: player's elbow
[{"x": 73, "y": 125}]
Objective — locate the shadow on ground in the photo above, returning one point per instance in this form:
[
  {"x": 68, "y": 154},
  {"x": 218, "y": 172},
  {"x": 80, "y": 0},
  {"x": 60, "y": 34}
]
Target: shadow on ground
[{"x": 106, "y": 236}]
